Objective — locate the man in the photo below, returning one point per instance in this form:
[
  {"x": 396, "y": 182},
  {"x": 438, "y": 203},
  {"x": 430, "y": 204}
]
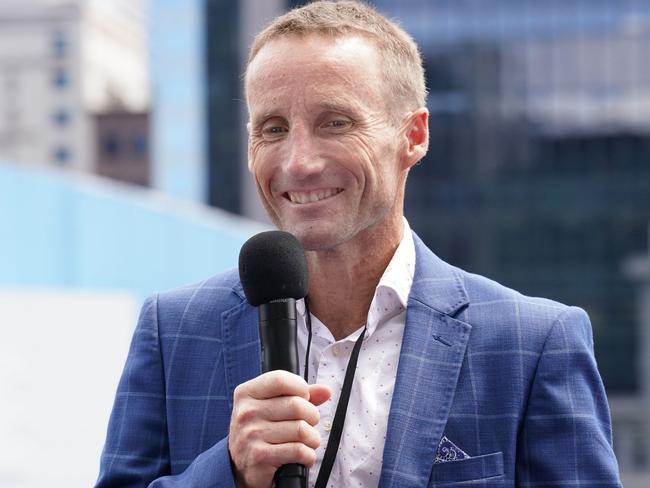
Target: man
[{"x": 457, "y": 380}]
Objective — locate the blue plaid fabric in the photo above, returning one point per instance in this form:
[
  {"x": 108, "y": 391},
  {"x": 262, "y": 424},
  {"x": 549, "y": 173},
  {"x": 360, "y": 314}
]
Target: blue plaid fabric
[{"x": 508, "y": 380}]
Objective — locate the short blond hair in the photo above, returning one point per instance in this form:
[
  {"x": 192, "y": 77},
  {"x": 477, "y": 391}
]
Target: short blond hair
[{"x": 399, "y": 52}]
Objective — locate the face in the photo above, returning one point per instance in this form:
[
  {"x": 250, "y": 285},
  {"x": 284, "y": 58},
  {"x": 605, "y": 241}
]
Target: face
[{"x": 328, "y": 159}]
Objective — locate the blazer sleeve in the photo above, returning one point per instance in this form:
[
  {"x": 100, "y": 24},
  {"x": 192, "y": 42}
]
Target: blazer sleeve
[
  {"x": 566, "y": 439},
  {"x": 136, "y": 452}
]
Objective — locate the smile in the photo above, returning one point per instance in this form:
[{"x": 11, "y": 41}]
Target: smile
[{"x": 301, "y": 197}]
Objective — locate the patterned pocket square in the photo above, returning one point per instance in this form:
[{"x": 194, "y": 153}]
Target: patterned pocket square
[{"x": 448, "y": 451}]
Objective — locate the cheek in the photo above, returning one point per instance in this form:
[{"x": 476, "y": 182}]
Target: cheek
[
  {"x": 379, "y": 163},
  {"x": 385, "y": 174},
  {"x": 262, "y": 179},
  {"x": 358, "y": 156}
]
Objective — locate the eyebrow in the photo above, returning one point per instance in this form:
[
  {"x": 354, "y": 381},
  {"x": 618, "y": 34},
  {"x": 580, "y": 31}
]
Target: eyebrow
[
  {"x": 332, "y": 104},
  {"x": 339, "y": 105}
]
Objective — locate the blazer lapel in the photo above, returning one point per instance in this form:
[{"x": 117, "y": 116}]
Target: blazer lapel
[
  {"x": 431, "y": 356},
  {"x": 241, "y": 344}
]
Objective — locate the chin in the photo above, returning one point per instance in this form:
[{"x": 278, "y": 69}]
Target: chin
[{"x": 313, "y": 239}]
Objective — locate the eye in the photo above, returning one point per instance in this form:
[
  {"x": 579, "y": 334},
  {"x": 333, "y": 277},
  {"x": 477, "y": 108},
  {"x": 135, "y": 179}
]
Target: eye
[
  {"x": 338, "y": 124},
  {"x": 274, "y": 129}
]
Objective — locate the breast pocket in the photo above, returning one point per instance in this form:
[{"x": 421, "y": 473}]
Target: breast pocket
[{"x": 471, "y": 469}]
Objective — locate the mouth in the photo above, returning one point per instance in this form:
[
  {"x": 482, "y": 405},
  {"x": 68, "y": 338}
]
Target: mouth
[{"x": 302, "y": 197}]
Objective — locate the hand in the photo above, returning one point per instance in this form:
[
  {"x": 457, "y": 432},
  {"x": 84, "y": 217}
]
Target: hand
[{"x": 272, "y": 424}]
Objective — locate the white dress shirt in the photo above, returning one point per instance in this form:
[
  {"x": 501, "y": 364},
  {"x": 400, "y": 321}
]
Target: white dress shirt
[{"x": 359, "y": 459}]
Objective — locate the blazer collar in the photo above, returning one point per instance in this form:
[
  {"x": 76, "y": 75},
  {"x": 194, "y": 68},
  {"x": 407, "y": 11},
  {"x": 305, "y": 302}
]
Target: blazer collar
[{"x": 436, "y": 283}]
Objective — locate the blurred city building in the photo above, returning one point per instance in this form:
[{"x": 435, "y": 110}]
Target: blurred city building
[
  {"x": 631, "y": 413},
  {"x": 178, "y": 86},
  {"x": 42, "y": 117},
  {"x": 60, "y": 63},
  {"x": 115, "y": 54},
  {"x": 198, "y": 53}
]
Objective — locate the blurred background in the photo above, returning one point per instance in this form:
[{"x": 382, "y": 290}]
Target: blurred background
[{"x": 122, "y": 172}]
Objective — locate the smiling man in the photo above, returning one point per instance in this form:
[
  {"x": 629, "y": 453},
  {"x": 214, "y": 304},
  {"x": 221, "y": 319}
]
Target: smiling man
[
  {"x": 330, "y": 157},
  {"x": 456, "y": 379}
]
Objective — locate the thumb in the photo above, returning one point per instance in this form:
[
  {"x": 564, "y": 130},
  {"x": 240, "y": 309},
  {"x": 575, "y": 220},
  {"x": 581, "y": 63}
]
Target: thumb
[{"x": 319, "y": 394}]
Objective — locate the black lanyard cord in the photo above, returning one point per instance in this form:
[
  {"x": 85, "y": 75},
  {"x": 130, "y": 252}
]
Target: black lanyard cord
[
  {"x": 341, "y": 408},
  {"x": 308, "y": 323}
]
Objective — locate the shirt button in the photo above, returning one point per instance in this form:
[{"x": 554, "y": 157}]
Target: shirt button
[
  {"x": 336, "y": 349},
  {"x": 327, "y": 426}
]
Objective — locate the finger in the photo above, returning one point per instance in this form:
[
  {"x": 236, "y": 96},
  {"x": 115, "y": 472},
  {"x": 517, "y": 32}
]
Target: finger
[
  {"x": 291, "y": 431},
  {"x": 319, "y": 394},
  {"x": 288, "y": 408},
  {"x": 276, "y": 455},
  {"x": 274, "y": 384}
]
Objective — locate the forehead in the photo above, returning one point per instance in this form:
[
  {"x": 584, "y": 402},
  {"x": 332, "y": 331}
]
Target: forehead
[{"x": 318, "y": 67}]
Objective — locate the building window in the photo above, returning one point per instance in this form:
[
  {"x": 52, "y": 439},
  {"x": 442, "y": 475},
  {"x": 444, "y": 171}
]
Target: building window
[
  {"x": 60, "y": 78},
  {"x": 59, "y": 44},
  {"x": 61, "y": 117},
  {"x": 111, "y": 146},
  {"x": 61, "y": 155},
  {"x": 140, "y": 146}
]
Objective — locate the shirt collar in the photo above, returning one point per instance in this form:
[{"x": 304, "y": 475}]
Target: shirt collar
[
  {"x": 392, "y": 292},
  {"x": 399, "y": 273}
]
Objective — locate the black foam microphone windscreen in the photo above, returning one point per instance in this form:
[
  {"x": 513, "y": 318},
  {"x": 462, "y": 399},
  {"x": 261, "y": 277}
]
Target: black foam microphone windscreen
[{"x": 272, "y": 266}]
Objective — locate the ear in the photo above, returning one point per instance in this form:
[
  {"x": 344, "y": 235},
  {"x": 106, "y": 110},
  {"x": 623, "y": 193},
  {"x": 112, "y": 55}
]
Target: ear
[{"x": 416, "y": 132}]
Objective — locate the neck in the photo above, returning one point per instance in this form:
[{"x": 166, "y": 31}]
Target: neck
[{"x": 343, "y": 280}]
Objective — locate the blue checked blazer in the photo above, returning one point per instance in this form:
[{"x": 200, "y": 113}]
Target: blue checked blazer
[{"x": 508, "y": 379}]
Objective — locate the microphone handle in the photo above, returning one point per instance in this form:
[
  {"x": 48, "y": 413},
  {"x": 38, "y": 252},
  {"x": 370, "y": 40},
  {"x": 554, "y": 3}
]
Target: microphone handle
[
  {"x": 277, "y": 323},
  {"x": 291, "y": 476}
]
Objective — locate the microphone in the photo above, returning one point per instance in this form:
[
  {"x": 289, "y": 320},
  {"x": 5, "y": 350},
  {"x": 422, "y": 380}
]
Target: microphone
[{"x": 273, "y": 272}]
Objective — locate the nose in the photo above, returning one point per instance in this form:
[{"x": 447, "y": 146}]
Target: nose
[{"x": 303, "y": 158}]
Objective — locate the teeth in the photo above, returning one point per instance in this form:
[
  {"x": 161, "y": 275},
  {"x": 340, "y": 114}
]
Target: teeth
[{"x": 312, "y": 196}]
